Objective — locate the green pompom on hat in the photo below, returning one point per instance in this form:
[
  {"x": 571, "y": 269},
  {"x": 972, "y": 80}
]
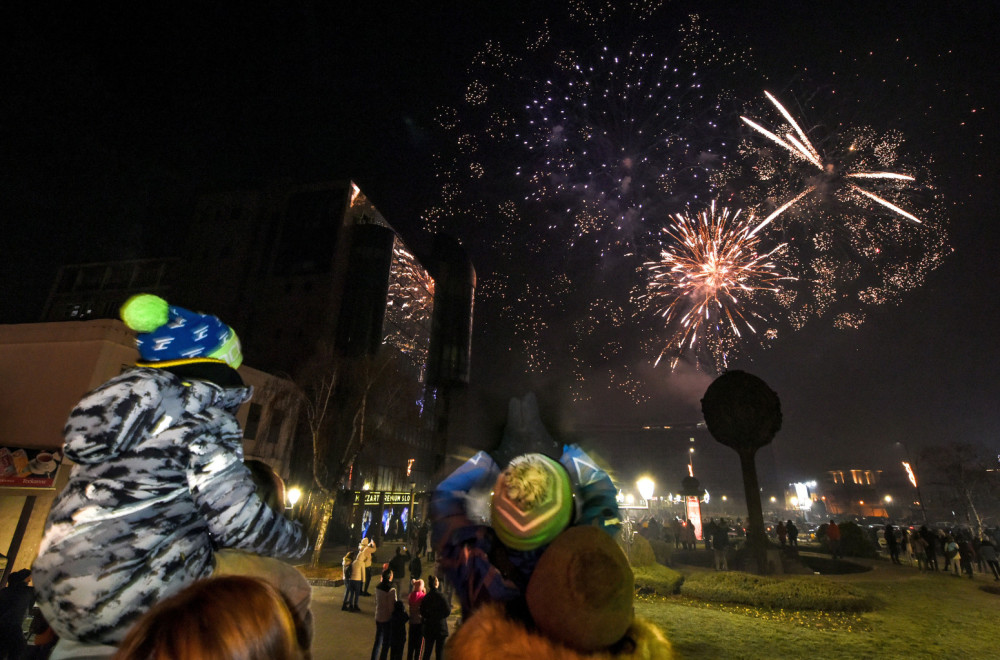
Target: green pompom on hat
[
  {"x": 167, "y": 333},
  {"x": 145, "y": 312}
]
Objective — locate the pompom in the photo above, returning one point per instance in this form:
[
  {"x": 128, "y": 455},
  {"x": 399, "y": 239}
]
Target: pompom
[
  {"x": 145, "y": 312},
  {"x": 528, "y": 481}
]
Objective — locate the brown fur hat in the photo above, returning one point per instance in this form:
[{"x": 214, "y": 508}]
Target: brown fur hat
[
  {"x": 581, "y": 590},
  {"x": 490, "y": 635}
]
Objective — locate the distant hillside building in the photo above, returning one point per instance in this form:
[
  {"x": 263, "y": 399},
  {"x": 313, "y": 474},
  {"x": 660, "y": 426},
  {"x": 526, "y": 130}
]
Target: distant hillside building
[{"x": 854, "y": 493}]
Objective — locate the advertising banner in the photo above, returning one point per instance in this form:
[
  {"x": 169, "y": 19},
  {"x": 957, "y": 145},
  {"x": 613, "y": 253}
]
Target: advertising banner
[{"x": 28, "y": 468}]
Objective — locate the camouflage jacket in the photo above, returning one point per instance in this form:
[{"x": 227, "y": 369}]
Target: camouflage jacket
[{"x": 159, "y": 484}]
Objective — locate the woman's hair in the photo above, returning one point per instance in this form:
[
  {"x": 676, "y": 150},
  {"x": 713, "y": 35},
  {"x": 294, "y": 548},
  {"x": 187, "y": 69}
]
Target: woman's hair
[
  {"x": 222, "y": 618},
  {"x": 387, "y": 574}
]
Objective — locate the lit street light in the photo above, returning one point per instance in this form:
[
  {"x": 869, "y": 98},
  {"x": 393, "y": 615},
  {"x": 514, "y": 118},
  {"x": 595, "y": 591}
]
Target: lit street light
[
  {"x": 645, "y": 485},
  {"x": 294, "y": 495}
]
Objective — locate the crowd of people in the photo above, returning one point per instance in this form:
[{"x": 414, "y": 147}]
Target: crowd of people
[{"x": 957, "y": 551}]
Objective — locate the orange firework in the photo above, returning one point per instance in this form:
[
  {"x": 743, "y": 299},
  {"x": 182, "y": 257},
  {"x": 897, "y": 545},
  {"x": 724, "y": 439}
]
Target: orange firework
[{"x": 708, "y": 275}]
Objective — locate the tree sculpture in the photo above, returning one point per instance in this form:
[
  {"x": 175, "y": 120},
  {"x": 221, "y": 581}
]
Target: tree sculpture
[{"x": 744, "y": 414}]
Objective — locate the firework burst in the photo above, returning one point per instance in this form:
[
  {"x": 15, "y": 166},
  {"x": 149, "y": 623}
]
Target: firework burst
[
  {"x": 845, "y": 201},
  {"x": 710, "y": 274},
  {"x": 567, "y": 149},
  {"x": 797, "y": 143}
]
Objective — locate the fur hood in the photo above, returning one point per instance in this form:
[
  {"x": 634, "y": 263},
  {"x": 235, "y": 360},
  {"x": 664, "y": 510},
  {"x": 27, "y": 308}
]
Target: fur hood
[{"x": 490, "y": 635}]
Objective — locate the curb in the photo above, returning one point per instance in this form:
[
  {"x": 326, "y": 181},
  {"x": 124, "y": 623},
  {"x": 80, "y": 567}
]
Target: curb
[{"x": 322, "y": 582}]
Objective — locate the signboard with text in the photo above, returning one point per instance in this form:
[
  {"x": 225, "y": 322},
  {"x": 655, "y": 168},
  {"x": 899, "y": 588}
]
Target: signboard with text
[{"x": 376, "y": 497}]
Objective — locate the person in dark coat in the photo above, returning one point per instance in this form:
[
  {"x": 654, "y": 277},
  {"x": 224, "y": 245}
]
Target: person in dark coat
[
  {"x": 930, "y": 538},
  {"x": 891, "y": 543},
  {"x": 416, "y": 568},
  {"x": 15, "y": 600},
  {"x": 434, "y": 611},
  {"x": 720, "y": 543},
  {"x": 398, "y": 567},
  {"x": 397, "y": 634},
  {"x": 793, "y": 534}
]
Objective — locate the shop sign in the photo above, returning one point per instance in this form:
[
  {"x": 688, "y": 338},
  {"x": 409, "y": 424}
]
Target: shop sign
[{"x": 376, "y": 497}]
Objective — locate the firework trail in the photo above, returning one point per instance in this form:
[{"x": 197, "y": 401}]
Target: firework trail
[
  {"x": 802, "y": 148},
  {"x": 844, "y": 200},
  {"x": 709, "y": 274}
]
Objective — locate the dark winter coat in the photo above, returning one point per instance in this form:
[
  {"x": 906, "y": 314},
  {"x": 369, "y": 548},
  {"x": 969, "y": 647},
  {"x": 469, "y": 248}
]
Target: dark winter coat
[
  {"x": 434, "y": 610},
  {"x": 159, "y": 484}
]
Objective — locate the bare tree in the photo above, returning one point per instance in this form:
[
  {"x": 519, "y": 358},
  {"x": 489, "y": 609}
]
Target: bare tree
[
  {"x": 346, "y": 402},
  {"x": 965, "y": 472}
]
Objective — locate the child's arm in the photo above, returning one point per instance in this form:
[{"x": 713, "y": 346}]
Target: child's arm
[{"x": 226, "y": 496}]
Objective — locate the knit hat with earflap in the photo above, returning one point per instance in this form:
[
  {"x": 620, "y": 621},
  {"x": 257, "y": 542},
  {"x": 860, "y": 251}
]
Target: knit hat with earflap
[
  {"x": 167, "y": 333},
  {"x": 532, "y": 502}
]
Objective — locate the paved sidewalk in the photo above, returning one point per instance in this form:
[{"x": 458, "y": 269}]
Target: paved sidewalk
[{"x": 348, "y": 635}]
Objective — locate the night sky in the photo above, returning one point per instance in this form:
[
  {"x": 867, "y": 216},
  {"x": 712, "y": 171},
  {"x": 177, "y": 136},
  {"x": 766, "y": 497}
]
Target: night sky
[{"x": 115, "y": 116}]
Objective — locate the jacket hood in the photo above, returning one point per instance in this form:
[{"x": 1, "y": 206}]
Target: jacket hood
[{"x": 138, "y": 405}]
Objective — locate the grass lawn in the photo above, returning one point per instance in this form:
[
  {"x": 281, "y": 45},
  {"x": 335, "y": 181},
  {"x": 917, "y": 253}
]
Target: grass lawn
[{"x": 917, "y": 615}]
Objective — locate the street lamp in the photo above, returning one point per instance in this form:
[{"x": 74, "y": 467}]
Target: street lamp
[
  {"x": 294, "y": 495},
  {"x": 645, "y": 485}
]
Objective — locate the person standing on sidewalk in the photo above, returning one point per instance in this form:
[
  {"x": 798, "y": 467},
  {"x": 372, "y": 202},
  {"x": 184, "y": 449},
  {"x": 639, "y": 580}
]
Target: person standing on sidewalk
[
  {"x": 346, "y": 564},
  {"x": 398, "y": 567},
  {"x": 365, "y": 551},
  {"x": 434, "y": 611},
  {"x": 397, "y": 625},
  {"x": 385, "y": 602},
  {"x": 417, "y": 593},
  {"x": 416, "y": 568}
]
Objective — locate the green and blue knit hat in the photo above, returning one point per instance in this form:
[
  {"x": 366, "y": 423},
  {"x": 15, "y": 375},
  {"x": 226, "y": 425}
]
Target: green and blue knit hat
[
  {"x": 532, "y": 502},
  {"x": 168, "y": 333}
]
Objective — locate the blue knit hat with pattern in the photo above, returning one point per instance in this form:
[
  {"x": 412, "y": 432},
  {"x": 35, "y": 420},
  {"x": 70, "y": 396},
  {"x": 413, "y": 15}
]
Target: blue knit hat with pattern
[{"x": 166, "y": 332}]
